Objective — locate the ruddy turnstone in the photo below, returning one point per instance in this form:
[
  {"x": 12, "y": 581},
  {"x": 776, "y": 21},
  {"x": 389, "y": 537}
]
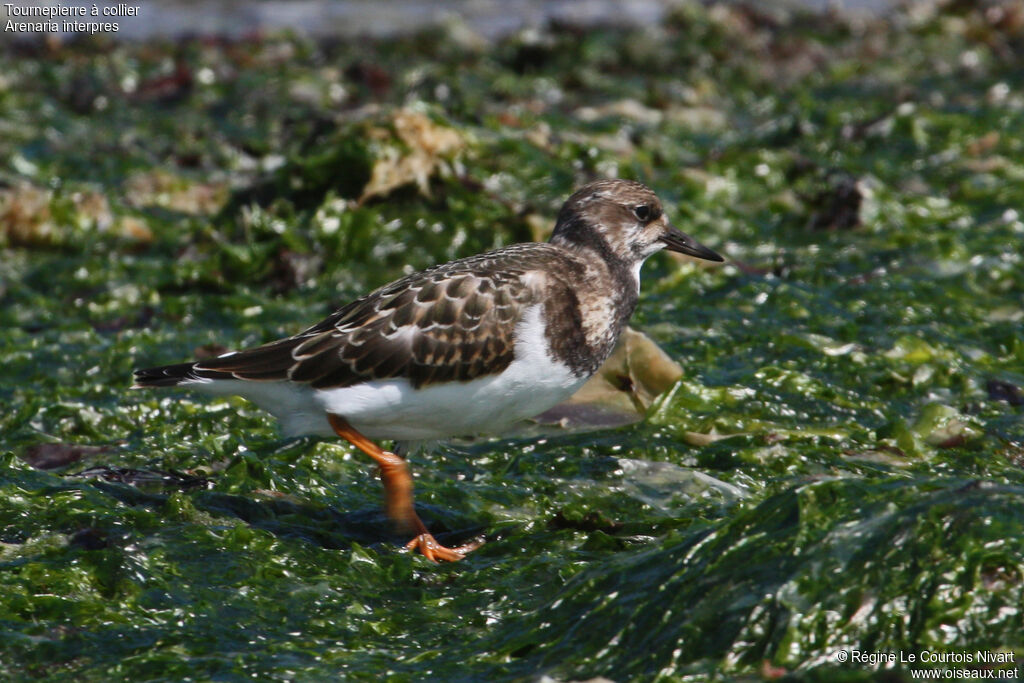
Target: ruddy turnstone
[{"x": 464, "y": 348}]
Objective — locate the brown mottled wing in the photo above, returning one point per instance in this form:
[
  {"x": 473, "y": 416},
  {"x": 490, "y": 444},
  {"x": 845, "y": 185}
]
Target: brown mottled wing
[{"x": 451, "y": 323}]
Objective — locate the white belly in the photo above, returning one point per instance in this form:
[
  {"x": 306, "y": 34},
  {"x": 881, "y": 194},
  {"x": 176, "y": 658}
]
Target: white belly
[{"x": 392, "y": 409}]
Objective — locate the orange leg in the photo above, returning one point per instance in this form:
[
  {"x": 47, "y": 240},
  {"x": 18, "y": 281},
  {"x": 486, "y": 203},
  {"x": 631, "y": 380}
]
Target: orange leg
[{"x": 394, "y": 473}]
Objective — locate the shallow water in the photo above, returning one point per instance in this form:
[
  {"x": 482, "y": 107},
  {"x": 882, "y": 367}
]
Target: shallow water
[{"x": 839, "y": 468}]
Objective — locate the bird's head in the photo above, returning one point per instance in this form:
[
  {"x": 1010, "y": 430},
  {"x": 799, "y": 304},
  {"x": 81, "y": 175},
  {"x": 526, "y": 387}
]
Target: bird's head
[{"x": 623, "y": 220}]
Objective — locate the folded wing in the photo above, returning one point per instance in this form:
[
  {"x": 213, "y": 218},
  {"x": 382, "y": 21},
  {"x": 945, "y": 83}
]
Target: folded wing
[{"x": 445, "y": 324}]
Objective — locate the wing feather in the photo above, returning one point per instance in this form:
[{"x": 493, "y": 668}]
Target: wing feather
[{"x": 450, "y": 323}]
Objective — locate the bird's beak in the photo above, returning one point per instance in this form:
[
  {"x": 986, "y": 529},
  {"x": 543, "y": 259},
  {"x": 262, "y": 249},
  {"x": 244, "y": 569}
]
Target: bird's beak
[{"x": 677, "y": 240}]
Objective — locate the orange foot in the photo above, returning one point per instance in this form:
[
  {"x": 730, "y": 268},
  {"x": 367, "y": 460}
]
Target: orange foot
[
  {"x": 428, "y": 546},
  {"x": 394, "y": 473}
]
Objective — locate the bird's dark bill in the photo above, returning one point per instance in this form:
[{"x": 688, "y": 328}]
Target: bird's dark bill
[{"x": 676, "y": 240}]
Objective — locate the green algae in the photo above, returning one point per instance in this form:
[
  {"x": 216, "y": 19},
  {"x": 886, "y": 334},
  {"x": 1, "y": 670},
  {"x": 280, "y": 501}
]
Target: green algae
[{"x": 852, "y": 380}]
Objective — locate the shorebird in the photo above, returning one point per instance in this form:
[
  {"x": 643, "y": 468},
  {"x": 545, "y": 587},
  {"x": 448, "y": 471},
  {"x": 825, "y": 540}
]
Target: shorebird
[{"x": 465, "y": 348}]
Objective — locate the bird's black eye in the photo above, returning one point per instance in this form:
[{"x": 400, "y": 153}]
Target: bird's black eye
[{"x": 642, "y": 212}]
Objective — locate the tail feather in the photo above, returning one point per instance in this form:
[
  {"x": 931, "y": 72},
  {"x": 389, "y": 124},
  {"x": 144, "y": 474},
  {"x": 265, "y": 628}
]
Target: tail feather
[{"x": 173, "y": 375}]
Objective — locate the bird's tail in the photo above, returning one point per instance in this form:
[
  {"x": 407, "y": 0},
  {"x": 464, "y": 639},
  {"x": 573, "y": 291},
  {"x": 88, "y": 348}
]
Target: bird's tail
[{"x": 172, "y": 375}]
